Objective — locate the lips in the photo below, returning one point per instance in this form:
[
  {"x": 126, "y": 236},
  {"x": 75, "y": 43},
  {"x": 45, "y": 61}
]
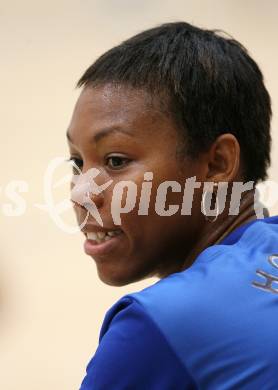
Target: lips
[
  {"x": 101, "y": 240},
  {"x": 102, "y": 247}
]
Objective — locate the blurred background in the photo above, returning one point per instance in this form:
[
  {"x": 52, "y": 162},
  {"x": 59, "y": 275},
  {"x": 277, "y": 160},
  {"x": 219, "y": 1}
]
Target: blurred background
[{"x": 52, "y": 303}]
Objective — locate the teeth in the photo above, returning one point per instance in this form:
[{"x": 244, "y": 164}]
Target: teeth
[
  {"x": 111, "y": 234},
  {"x": 92, "y": 236},
  {"x": 101, "y": 236},
  {"x": 114, "y": 233}
]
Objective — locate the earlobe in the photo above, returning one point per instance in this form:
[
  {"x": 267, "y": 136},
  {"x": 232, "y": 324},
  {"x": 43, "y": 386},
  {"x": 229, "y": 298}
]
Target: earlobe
[{"x": 224, "y": 159}]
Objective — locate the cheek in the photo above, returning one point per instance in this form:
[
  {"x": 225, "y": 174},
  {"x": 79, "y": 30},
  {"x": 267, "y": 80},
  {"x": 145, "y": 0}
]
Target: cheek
[
  {"x": 166, "y": 195},
  {"x": 139, "y": 204},
  {"x": 142, "y": 199},
  {"x": 122, "y": 198}
]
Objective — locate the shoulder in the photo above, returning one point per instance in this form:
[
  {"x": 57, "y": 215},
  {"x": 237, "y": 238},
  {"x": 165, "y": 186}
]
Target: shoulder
[
  {"x": 207, "y": 302},
  {"x": 133, "y": 353}
]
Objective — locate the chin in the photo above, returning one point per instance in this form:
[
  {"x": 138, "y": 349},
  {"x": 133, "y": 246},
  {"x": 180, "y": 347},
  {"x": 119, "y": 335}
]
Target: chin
[
  {"x": 119, "y": 278},
  {"x": 116, "y": 279}
]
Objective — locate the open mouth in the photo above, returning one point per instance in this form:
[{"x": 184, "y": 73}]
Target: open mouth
[
  {"x": 100, "y": 237},
  {"x": 103, "y": 243}
]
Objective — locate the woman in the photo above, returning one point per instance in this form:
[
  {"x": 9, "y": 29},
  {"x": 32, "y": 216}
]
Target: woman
[{"x": 173, "y": 104}]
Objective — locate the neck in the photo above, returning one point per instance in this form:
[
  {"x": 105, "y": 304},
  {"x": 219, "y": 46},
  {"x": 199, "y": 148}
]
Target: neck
[{"x": 214, "y": 232}]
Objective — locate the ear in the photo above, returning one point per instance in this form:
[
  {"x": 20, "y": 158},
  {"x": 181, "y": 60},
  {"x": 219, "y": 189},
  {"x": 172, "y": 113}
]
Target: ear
[{"x": 223, "y": 159}]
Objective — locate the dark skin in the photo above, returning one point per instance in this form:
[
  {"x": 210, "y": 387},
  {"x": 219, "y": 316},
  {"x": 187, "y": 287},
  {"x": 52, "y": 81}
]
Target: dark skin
[{"x": 151, "y": 245}]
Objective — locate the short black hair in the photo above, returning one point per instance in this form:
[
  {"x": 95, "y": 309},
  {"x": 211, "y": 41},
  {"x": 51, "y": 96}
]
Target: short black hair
[{"x": 211, "y": 84}]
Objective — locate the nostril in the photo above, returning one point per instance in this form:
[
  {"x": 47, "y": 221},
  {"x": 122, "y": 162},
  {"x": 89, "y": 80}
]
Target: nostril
[
  {"x": 92, "y": 199},
  {"x": 78, "y": 193}
]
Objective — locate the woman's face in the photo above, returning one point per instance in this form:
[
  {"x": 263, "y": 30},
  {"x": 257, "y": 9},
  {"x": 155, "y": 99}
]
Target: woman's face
[{"x": 143, "y": 139}]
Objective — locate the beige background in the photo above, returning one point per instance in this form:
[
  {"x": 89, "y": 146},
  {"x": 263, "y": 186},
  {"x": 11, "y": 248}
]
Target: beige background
[{"x": 51, "y": 301}]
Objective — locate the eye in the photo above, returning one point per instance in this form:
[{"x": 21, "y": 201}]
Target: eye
[
  {"x": 117, "y": 162},
  {"x": 76, "y": 163}
]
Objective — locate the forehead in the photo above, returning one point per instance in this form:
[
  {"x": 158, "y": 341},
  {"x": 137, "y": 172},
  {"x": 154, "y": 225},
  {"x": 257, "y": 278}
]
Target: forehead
[
  {"x": 111, "y": 102},
  {"x": 108, "y": 106}
]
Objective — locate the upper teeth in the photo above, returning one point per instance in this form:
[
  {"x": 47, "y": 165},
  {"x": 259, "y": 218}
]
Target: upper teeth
[{"x": 101, "y": 235}]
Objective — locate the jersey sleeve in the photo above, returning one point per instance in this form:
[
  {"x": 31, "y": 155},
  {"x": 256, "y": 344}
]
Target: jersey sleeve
[{"x": 133, "y": 354}]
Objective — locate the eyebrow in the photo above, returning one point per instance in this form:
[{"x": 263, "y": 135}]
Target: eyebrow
[{"x": 104, "y": 133}]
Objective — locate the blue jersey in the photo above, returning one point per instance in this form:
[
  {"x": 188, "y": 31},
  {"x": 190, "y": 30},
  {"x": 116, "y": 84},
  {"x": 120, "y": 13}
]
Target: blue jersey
[{"x": 213, "y": 326}]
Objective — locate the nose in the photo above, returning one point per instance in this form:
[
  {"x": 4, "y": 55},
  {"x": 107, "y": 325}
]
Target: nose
[
  {"x": 86, "y": 190},
  {"x": 80, "y": 198}
]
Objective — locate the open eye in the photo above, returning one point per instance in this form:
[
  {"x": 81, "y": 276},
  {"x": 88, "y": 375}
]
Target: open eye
[
  {"x": 76, "y": 163},
  {"x": 117, "y": 162}
]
